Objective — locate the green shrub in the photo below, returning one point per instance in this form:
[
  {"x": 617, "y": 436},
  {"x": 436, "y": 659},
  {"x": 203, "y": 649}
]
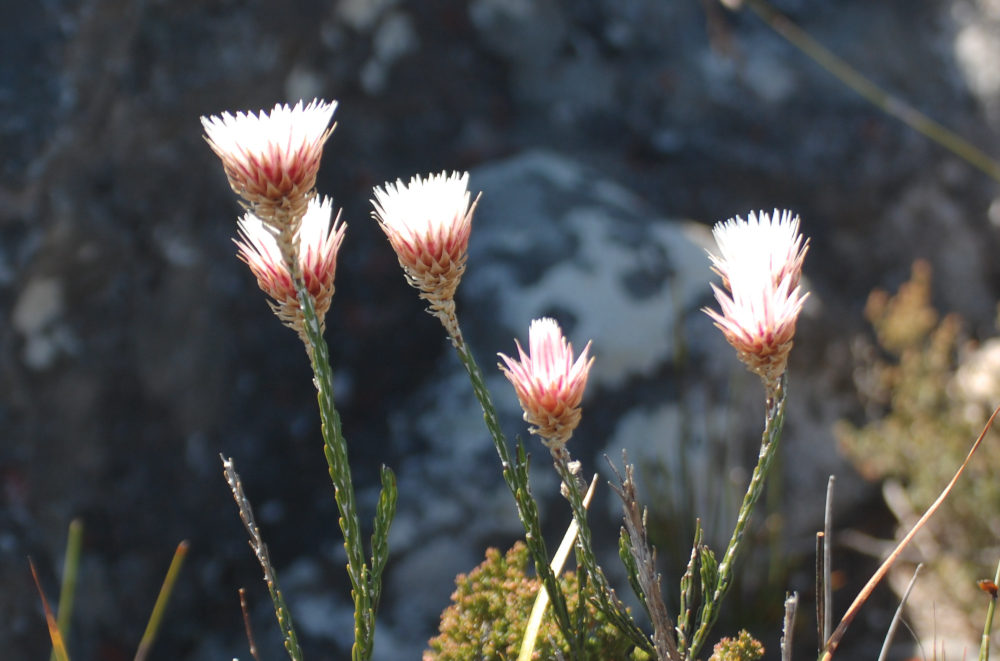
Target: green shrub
[{"x": 490, "y": 609}]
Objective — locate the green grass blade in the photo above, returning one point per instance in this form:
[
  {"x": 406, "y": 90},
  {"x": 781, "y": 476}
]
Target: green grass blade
[
  {"x": 58, "y": 645},
  {"x": 156, "y": 617},
  {"x": 67, "y": 590}
]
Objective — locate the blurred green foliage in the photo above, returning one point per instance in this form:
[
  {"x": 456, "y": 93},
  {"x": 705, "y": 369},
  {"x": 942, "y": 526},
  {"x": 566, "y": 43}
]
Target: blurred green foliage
[{"x": 928, "y": 392}]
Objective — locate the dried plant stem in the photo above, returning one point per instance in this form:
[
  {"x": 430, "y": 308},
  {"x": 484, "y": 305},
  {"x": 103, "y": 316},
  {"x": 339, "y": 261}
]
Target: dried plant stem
[
  {"x": 852, "y": 611},
  {"x": 515, "y": 474},
  {"x": 824, "y": 562},
  {"x": 821, "y": 588},
  {"x": 605, "y": 598},
  {"x": 886, "y": 102},
  {"x": 263, "y": 557},
  {"x": 828, "y": 562},
  {"x": 791, "y": 607},
  {"x": 166, "y": 589},
  {"x": 774, "y": 421},
  {"x": 246, "y": 624},
  {"x": 645, "y": 564}
]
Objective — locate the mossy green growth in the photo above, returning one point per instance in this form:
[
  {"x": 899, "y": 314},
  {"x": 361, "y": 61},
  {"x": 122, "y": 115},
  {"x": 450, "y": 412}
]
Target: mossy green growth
[
  {"x": 742, "y": 648},
  {"x": 490, "y": 609}
]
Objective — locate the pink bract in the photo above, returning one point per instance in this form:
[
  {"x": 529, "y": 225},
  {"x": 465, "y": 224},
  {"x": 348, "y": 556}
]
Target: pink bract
[
  {"x": 319, "y": 244},
  {"x": 760, "y": 262},
  {"x": 548, "y": 381},
  {"x": 270, "y": 156}
]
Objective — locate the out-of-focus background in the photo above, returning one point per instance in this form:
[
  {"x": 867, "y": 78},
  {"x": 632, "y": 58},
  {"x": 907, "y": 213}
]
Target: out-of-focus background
[{"x": 606, "y": 136}]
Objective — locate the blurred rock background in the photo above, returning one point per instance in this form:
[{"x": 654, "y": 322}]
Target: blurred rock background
[{"x": 135, "y": 347}]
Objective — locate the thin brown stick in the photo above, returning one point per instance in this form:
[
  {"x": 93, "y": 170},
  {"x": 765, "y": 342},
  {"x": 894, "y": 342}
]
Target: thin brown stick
[
  {"x": 838, "y": 634},
  {"x": 246, "y": 623}
]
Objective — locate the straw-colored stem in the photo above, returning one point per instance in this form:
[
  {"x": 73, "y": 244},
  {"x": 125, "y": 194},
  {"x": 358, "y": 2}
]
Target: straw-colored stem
[{"x": 542, "y": 599}]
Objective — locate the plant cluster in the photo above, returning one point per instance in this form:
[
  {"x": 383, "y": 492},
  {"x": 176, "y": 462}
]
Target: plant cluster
[{"x": 290, "y": 239}]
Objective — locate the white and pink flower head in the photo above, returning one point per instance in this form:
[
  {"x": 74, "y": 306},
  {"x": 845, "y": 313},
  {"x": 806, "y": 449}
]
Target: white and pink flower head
[
  {"x": 319, "y": 243},
  {"x": 548, "y": 381},
  {"x": 271, "y": 159},
  {"x": 760, "y": 262},
  {"x": 428, "y": 223}
]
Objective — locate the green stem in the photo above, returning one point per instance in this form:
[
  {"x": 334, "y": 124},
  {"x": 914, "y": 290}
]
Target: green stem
[
  {"x": 160, "y": 607},
  {"x": 984, "y": 649},
  {"x": 768, "y": 450},
  {"x": 281, "y": 612},
  {"x": 687, "y": 595},
  {"x": 335, "y": 449},
  {"x": 515, "y": 474},
  {"x": 606, "y": 599},
  {"x": 71, "y": 569}
]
